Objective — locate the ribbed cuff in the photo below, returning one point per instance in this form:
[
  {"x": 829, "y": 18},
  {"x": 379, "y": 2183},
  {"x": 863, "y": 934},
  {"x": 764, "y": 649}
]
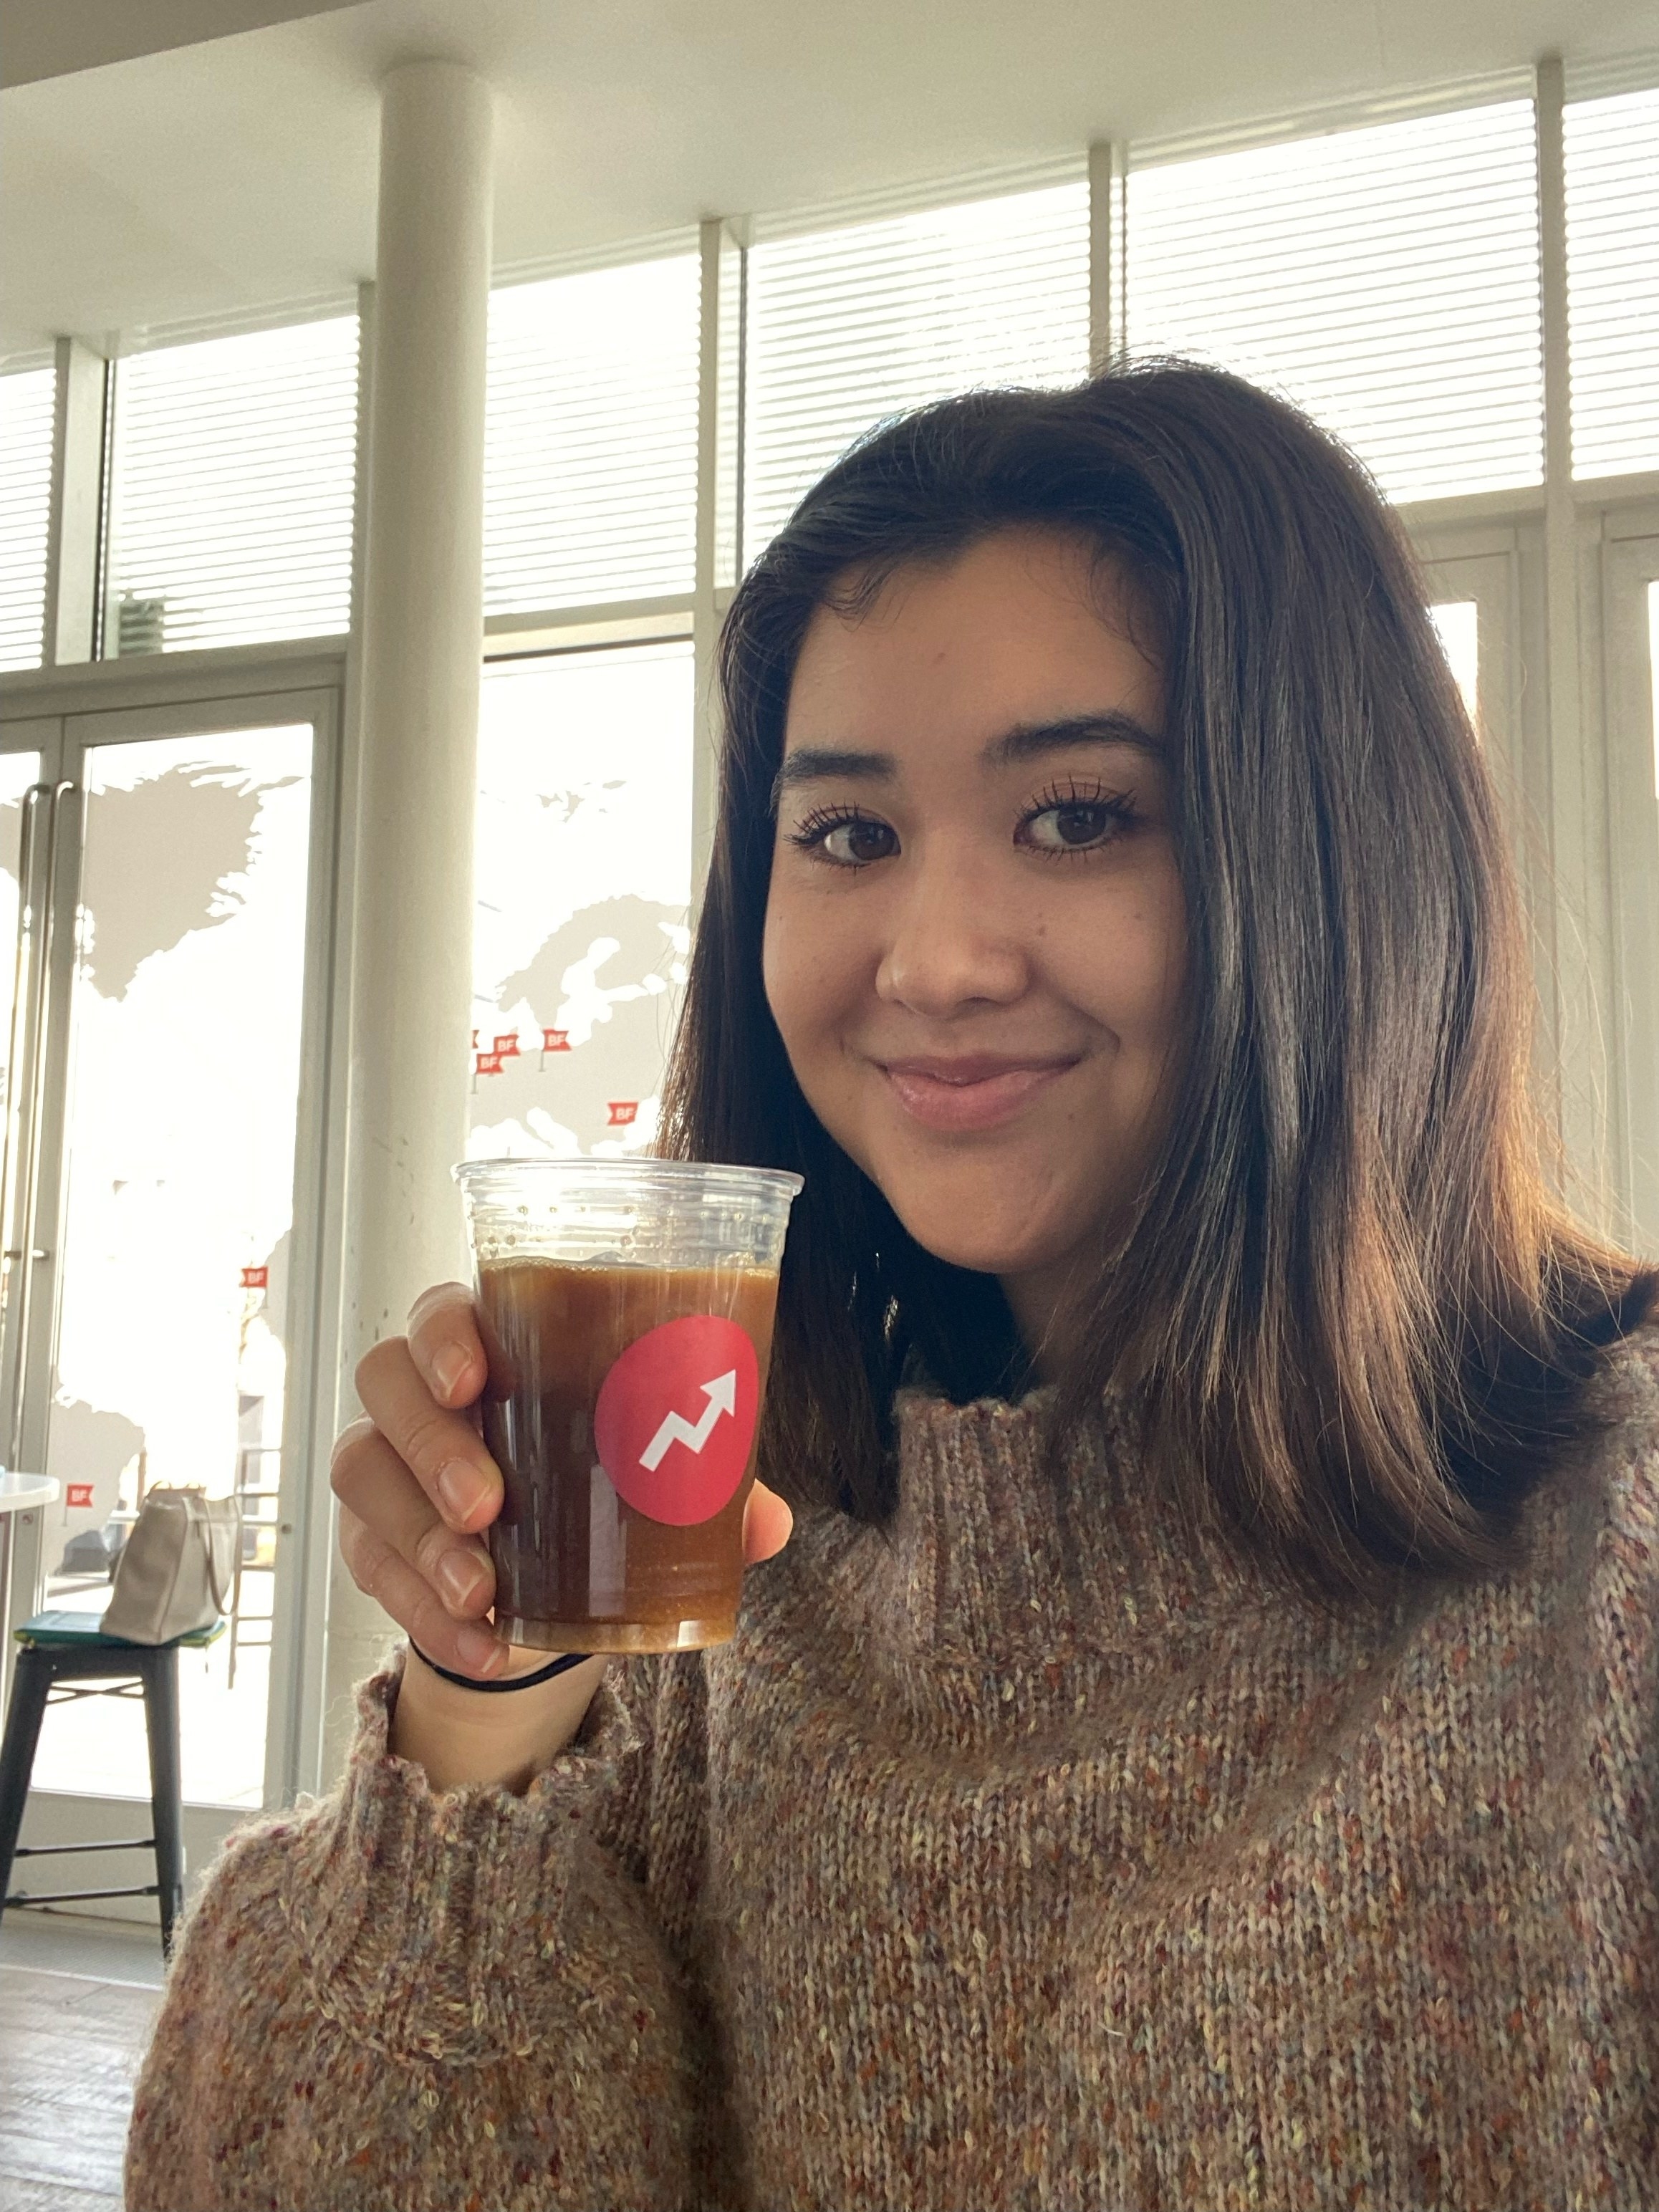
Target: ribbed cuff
[{"x": 433, "y": 1920}]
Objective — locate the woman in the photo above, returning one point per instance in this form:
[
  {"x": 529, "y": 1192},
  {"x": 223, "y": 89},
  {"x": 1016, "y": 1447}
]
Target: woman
[{"x": 1200, "y": 1746}]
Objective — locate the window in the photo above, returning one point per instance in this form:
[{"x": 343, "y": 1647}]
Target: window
[
  {"x": 1458, "y": 623},
  {"x": 235, "y": 470},
  {"x": 1612, "y": 281},
  {"x": 26, "y": 427},
  {"x": 1386, "y": 279},
  {"x": 589, "y": 476},
  {"x": 584, "y": 874},
  {"x": 846, "y": 326}
]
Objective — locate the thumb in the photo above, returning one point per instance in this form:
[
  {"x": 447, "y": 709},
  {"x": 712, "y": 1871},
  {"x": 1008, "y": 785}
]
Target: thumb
[{"x": 766, "y": 1523}]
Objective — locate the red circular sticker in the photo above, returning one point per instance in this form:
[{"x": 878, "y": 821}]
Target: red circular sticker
[{"x": 676, "y": 1417}]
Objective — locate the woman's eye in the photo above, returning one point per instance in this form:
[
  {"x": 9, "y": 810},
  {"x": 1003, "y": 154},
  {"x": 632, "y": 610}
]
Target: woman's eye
[
  {"x": 1074, "y": 825},
  {"x": 853, "y": 843}
]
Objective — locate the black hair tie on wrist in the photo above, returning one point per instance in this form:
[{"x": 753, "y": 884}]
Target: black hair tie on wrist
[{"x": 519, "y": 1682}]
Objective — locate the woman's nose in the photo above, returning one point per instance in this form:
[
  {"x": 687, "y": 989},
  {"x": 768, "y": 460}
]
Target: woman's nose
[{"x": 950, "y": 945}]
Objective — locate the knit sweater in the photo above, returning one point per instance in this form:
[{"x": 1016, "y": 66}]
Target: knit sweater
[{"x": 1022, "y": 1852}]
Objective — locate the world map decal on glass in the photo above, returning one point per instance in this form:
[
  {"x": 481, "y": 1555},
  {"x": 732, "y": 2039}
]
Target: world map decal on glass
[{"x": 583, "y": 887}]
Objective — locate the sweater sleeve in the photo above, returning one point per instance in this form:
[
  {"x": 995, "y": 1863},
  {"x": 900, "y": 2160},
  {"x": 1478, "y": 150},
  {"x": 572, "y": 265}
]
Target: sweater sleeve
[
  {"x": 1614, "y": 1840},
  {"x": 392, "y": 2000}
]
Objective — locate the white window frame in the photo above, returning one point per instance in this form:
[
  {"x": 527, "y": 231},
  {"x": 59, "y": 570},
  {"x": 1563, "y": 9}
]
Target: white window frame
[
  {"x": 1624, "y": 564},
  {"x": 218, "y": 691}
]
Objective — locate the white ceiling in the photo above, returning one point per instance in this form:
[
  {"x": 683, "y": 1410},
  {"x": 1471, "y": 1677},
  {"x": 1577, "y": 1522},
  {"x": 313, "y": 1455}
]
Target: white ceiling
[
  {"x": 211, "y": 179},
  {"x": 53, "y": 38}
]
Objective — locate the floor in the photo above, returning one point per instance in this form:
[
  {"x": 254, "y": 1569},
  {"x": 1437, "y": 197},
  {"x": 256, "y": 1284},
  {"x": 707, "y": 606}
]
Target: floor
[{"x": 77, "y": 1998}]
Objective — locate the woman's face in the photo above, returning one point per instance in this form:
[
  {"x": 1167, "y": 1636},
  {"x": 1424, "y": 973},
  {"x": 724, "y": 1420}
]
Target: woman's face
[{"x": 975, "y": 946}]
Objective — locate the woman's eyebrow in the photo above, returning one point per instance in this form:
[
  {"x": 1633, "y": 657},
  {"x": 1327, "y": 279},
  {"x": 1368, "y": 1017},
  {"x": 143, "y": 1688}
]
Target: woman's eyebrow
[
  {"x": 1025, "y": 741},
  {"x": 812, "y": 763}
]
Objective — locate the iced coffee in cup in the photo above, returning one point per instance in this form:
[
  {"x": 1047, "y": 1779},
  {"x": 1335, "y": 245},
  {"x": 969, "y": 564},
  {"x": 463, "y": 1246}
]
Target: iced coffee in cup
[{"x": 626, "y": 1309}]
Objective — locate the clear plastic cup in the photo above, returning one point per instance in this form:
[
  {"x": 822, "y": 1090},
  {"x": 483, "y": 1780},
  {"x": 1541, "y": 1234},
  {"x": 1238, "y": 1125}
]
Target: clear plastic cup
[{"x": 626, "y": 1307}]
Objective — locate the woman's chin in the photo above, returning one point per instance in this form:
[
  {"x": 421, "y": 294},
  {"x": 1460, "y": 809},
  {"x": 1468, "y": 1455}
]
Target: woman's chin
[{"x": 986, "y": 1249}]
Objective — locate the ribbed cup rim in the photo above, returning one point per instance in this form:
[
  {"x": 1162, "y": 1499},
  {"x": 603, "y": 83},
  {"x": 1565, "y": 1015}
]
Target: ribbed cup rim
[{"x": 681, "y": 1177}]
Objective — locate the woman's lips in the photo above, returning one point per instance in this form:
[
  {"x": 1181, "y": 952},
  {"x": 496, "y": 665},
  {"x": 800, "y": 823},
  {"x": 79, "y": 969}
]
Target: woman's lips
[{"x": 969, "y": 1094}]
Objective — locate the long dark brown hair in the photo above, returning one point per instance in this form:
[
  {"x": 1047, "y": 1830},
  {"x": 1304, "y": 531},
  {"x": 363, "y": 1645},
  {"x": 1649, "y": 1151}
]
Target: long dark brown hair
[{"x": 1350, "y": 1313}]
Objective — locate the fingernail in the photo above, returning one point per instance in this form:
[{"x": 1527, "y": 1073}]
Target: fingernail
[
  {"x": 477, "y": 1648},
  {"x": 458, "y": 1488},
  {"x": 459, "y": 1579},
  {"x": 449, "y": 1365}
]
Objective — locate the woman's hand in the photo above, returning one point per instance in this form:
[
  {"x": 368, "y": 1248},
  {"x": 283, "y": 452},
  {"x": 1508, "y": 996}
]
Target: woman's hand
[{"x": 417, "y": 1485}]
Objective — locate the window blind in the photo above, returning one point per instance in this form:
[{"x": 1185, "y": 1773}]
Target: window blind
[
  {"x": 234, "y": 466},
  {"x": 846, "y": 326},
  {"x": 1384, "y": 278},
  {"x": 1612, "y": 281},
  {"x": 591, "y": 438},
  {"x": 25, "y": 423}
]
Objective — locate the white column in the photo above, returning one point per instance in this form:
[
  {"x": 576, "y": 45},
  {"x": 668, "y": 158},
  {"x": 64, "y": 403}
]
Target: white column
[{"x": 422, "y": 644}]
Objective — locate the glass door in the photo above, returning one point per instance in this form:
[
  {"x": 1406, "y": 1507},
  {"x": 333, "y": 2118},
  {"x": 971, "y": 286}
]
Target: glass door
[{"x": 153, "y": 1302}]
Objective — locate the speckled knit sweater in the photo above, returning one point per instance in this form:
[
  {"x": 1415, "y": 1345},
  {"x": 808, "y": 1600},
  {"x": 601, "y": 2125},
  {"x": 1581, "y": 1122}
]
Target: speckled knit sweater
[{"x": 1018, "y": 1856}]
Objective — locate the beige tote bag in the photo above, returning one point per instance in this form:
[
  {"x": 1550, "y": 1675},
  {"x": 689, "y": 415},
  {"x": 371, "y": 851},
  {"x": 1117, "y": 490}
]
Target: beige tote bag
[{"x": 177, "y": 1571}]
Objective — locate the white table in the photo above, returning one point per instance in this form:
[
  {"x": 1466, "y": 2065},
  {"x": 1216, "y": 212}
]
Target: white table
[{"x": 18, "y": 1492}]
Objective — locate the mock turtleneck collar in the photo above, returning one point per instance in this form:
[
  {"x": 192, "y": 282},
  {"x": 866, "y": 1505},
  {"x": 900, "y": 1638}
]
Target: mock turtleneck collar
[{"x": 993, "y": 1555}]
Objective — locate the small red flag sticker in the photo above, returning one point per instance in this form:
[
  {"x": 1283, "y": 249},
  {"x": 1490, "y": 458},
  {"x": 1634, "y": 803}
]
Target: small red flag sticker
[{"x": 676, "y": 1418}]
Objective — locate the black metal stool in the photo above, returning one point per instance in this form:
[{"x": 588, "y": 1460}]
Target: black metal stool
[{"x": 71, "y": 1648}]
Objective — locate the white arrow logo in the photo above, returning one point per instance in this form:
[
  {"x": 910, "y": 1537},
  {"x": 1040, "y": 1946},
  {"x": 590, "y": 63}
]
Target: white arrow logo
[{"x": 722, "y": 1396}]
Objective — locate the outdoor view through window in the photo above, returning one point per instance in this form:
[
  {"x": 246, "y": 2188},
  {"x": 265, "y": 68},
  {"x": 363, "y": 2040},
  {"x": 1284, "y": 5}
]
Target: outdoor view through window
[{"x": 584, "y": 884}]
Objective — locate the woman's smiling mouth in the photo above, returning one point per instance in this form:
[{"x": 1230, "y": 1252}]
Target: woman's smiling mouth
[{"x": 977, "y": 1091}]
